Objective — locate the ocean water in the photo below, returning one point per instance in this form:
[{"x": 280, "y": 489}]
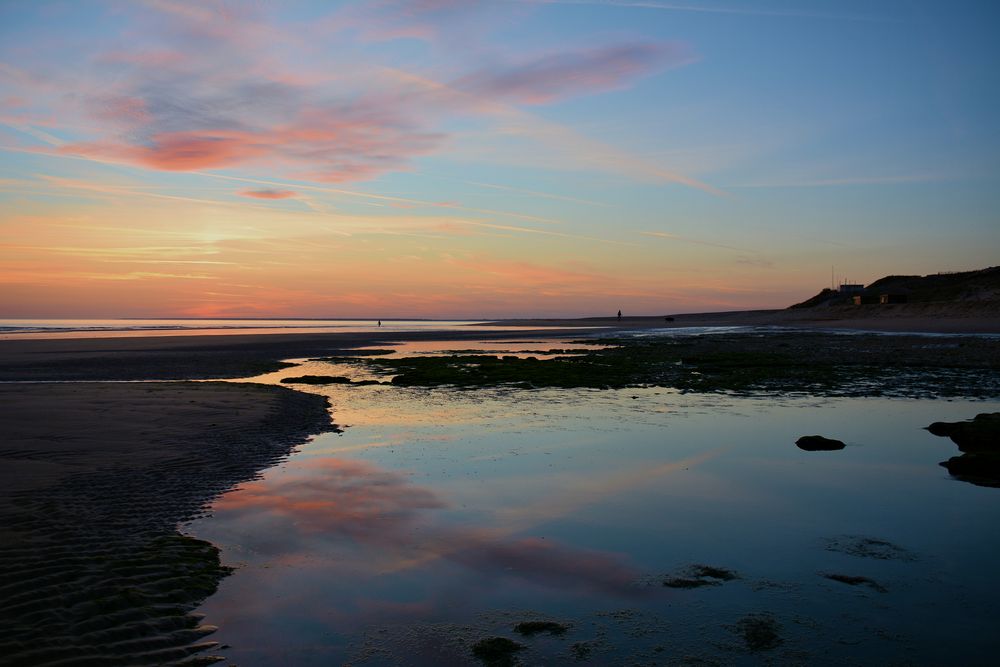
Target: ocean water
[
  {"x": 442, "y": 517},
  {"x": 108, "y": 328}
]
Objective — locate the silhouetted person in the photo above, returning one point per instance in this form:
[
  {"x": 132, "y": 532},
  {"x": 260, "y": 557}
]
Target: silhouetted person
[
  {"x": 380, "y": 322},
  {"x": 619, "y": 316}
]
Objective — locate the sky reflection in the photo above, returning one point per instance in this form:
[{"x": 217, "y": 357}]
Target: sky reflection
[{"x": 443, "y": 516}]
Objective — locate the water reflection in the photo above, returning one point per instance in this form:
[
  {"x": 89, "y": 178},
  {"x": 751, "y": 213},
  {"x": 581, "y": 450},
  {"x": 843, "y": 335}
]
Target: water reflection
[
  {"x": 331, "y": 507},
  {"x": 441, "y": 517}
]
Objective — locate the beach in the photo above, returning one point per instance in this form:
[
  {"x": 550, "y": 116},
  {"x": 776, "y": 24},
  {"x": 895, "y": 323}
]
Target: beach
[
  {"x": 98, "y": 475},
  {"x": 95, "y": 479}
]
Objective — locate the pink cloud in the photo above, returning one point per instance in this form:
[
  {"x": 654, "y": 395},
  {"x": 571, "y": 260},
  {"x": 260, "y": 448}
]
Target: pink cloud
[
  {"x": 562, "y": 75},
  {"x": 427, "y": 20},
  {"x": 195, "y": 95},
  {"x": 12, "y": 102},
  {"x": 268, "y": 194}
]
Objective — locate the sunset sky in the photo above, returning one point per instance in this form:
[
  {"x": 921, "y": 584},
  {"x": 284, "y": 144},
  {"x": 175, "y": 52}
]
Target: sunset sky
[{"x": 464, "y": 159}]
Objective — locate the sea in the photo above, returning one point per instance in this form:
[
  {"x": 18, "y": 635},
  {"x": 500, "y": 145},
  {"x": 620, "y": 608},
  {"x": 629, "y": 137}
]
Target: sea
[{"x": 126, "y": 328}]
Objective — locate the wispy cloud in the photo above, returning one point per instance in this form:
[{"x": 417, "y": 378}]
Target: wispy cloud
[
  {"x": 708, "y": 9},
  {"x": 884, "y": 179},
  {"x": 196, "y": 98},
  {"x": 575, "y": 150},
  {"x": 267, "y": 194},
  {"x": 684, "y": 239},
  {"x": 552, "y": 77}
]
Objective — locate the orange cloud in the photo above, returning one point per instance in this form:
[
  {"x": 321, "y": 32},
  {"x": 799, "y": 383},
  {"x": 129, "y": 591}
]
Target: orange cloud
[{"x": 179, "y": 151}]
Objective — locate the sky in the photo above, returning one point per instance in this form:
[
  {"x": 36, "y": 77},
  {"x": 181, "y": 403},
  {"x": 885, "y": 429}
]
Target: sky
[{"x": 486, "y": 159}]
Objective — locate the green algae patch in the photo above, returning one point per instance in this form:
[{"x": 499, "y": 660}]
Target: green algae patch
[
  {"x": 743, "y": 363},
  {"x": 350, "y": 355},
  {"x": 317, "y": 379}
]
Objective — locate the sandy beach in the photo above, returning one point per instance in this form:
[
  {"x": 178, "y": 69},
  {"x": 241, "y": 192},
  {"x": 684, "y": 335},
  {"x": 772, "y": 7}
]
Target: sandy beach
[{"x": 95, "y": 479}]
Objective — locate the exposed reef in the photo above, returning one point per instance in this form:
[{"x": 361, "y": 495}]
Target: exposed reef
[
  {"x": 979, "y": 441},
  {"x": 750, "y": 362}
]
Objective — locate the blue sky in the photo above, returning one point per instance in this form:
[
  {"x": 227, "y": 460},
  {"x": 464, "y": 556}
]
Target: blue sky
[{"x": 463, "y": 159}]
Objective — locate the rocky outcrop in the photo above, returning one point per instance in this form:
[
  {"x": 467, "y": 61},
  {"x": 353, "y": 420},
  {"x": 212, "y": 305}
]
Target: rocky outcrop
[{"x": 817, "y": 443}]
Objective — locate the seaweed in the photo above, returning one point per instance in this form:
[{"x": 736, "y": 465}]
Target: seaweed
[
  {"x": 317, "y": 379},
  {"x": 813, "y": 363}
]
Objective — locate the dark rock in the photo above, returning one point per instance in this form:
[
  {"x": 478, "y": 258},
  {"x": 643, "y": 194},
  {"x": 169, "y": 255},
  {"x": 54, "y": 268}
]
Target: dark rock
[
  {"x": 817, "y": 443},
  {"x": 942, "y": 428},
  {"x": 979, "y": 468},
  {"x": 714, "y": 572},
  {"x": 979, "y": 440},
  {"x": 852, "y": 580},
  {"x": 981, "y": 434},
  {"x": 496, "y": 651}
]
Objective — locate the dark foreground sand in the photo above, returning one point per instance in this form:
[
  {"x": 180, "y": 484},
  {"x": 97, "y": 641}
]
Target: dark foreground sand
[{"x": 94, "y": 479}]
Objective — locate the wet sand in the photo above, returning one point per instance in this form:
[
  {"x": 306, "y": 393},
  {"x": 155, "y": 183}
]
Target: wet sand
[
  {"x": 204, "y": 357},
  {"x": 95, "y": 479}
]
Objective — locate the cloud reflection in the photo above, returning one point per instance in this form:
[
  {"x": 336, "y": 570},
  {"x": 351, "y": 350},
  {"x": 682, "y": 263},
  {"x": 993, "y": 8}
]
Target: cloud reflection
[{"x": 332, "y": 503}]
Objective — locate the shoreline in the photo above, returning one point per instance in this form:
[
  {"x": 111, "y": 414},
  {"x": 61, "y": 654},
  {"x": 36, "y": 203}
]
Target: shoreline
[
  {"x": 96, "y": 479},
  {"x": 205, "y": 357},
  {"x": 234, "y": 355},
  {"x": 912, "y": 318}
]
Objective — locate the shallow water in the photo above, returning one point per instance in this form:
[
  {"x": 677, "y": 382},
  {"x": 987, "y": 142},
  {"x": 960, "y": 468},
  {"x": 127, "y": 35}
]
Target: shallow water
[{"x": 441, "y": 517}]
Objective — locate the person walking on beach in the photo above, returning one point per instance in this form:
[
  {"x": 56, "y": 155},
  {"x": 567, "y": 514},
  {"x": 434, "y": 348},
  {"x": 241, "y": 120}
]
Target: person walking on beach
[
  {"x": 380, "y": 322},
  {"x": 619, "y": 316}
]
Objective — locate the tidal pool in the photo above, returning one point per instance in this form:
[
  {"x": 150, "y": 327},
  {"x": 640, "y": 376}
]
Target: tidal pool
[{"x": 441, "y": 518}]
